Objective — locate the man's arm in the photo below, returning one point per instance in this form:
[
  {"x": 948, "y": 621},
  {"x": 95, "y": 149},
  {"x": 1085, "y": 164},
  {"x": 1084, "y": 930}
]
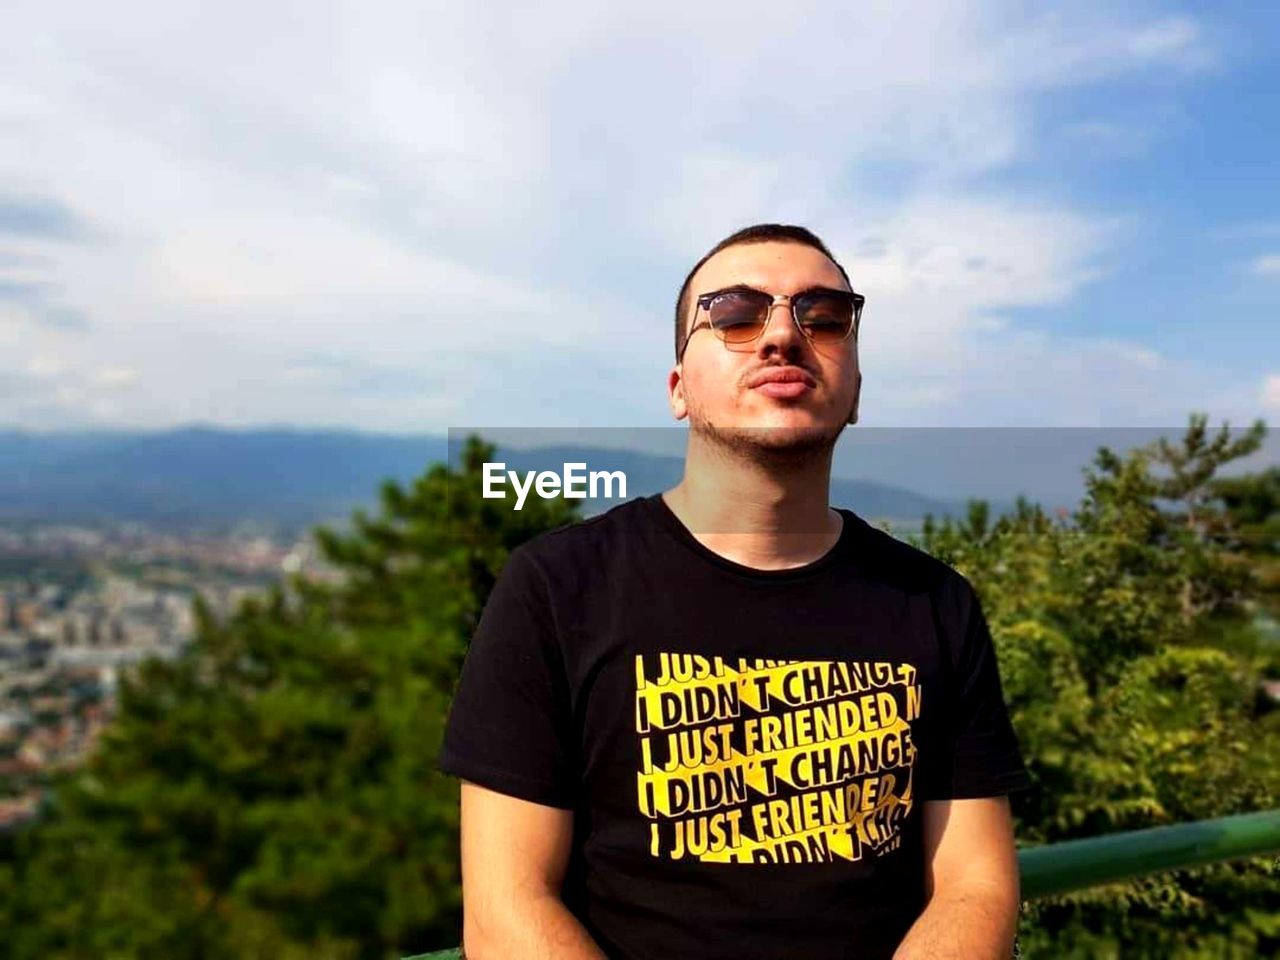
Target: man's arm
[
  {"x": 514, "y": 857},
  {"x": 971, "y": 883}
]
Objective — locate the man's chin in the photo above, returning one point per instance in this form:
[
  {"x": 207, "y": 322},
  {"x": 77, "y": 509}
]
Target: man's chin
[{"x": 774, "y": 439}]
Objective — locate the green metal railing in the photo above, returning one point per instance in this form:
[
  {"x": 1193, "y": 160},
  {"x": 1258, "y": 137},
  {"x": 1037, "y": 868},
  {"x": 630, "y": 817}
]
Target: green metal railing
[
  {"x": 1056, "y": 868},
  {"x": 1075, "y": 864}
]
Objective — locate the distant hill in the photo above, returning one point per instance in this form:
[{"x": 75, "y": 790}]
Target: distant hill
[
  {"x": 212, "y": 478},
  {"x": 202, "y": 477}
]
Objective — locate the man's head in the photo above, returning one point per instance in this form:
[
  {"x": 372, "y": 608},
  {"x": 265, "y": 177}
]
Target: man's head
[{"x": 730, "y": 391}]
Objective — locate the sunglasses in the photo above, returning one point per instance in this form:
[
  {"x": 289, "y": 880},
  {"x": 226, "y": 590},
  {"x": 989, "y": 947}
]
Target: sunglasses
[{"x": 740, "y": 314}]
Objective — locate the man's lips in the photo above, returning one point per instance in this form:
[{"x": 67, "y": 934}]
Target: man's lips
[{"x": 782, "y": 382}]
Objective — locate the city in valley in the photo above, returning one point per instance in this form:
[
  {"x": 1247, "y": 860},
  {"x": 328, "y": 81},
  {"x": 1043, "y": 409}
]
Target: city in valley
[{"x": 80, "y": 606}]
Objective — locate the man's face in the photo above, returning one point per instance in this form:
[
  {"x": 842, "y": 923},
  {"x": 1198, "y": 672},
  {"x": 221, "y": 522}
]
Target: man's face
[{"x": 724, "y": 389}]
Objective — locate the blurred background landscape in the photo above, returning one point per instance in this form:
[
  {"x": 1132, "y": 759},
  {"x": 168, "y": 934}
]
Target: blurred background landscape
[{"x": 218, "y": 727}]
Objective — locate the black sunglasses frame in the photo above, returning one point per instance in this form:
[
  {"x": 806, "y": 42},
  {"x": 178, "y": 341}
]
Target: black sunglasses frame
[{"x": 704, "y": 302}]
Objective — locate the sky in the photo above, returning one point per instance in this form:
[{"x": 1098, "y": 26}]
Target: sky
[{"x": 411, "y": 217}]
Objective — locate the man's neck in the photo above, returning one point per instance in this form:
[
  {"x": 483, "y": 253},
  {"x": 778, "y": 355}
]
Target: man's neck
[{"x": 770, "y": 516}]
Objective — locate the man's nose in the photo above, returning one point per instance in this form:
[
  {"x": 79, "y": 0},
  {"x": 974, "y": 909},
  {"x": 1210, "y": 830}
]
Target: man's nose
[{"x": 781, "y": 331}]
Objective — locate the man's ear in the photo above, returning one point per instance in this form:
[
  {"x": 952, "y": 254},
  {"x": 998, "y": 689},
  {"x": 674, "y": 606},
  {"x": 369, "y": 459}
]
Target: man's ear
[{"x": 675, "y": 392}]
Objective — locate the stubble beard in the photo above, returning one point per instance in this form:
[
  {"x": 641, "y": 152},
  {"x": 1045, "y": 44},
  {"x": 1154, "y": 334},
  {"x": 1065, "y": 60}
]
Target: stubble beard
[{"x": 775, "y": 448}]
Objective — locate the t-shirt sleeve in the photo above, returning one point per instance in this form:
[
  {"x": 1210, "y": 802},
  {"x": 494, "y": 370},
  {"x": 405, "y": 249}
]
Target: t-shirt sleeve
[
  {"x": 509, "y": 727},
  {"x": 977, "y": 750}
]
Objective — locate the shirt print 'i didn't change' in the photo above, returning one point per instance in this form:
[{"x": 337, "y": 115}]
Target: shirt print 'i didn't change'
[{"x": 774, "y": 761}]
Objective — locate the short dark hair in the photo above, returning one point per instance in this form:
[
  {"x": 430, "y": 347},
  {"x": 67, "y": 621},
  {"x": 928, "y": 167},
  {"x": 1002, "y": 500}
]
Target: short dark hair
[{"x": 757, "y": 233}]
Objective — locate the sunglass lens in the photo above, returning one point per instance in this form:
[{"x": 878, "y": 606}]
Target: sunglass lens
[
  {"x": 826, "y": 318},
  {"x": 737, "y": 317}
]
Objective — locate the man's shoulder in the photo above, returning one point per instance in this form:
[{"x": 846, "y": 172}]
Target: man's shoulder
[
  {"x": 587, "y": 539},
  {"x": 896, "y": 562}
]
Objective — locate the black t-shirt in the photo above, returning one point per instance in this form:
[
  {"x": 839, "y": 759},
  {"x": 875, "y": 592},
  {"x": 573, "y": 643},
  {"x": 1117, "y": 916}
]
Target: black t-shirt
[{"x": 745, "y": 751}]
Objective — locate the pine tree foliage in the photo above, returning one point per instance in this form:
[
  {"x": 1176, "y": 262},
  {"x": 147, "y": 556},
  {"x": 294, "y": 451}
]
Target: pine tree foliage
[
  {"x": 1129, "y": 710},
  {"x": 272, "y": 794}
]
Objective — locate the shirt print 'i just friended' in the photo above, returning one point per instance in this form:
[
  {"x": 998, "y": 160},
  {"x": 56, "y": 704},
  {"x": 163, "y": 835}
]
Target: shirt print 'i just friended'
[{"x": 774, "y": 761}]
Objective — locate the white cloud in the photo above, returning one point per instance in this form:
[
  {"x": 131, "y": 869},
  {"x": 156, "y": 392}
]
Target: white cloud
[
  {"x": 1267, "y": 265},
  {"x": 1175, "y": 40},
  {"x": 1271, "y": 394},
  {"x": 395, "y": 215},
  {"x": 46, "y": 366},
  {"x": 116, "y": 376}
]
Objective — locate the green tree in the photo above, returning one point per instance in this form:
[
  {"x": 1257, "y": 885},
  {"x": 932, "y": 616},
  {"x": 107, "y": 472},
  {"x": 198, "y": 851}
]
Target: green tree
[
  {"x": 272, "y": 793},
  {"x": 1210, "y": 581},
  {"x": 1249, "y": 526},
  {"x": 1128, "y": 716}
]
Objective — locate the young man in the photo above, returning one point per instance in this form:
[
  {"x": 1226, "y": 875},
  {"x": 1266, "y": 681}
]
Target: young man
[{"x": 728, "y": 722}]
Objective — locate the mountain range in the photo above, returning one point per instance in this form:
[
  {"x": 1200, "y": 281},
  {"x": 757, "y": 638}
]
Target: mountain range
[{"x": 206, "y": 478}]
